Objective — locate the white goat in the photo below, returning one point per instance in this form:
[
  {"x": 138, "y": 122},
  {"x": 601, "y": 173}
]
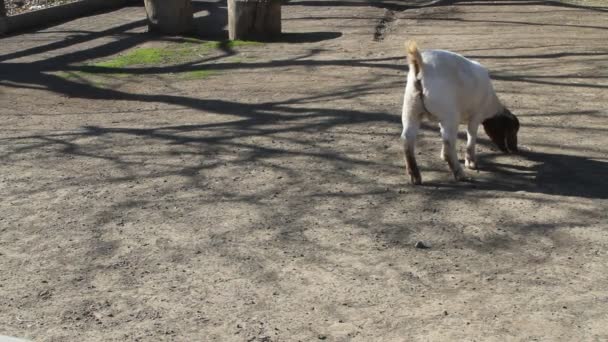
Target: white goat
[{"x": 451, "y": 89}]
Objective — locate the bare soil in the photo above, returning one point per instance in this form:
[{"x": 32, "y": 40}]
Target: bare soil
[{"x": 267, "y": 201}]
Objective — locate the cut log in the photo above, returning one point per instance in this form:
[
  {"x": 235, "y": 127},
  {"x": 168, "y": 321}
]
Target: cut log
[
  {"x": 254, "y": 19},
  {"x": 169, "y": 17}
]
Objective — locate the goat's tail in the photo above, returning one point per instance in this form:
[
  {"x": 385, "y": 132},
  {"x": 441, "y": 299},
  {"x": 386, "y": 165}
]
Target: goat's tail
[{"x": 414, "y": 58}]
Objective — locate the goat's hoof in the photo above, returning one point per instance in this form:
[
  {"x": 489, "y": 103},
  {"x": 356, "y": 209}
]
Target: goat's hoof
[
  {"x": 461, "y": 177},
  {"x": 415, "y": 179},
  {"x": 465, "y": 179},
  {"x": 470, "y": 164}
]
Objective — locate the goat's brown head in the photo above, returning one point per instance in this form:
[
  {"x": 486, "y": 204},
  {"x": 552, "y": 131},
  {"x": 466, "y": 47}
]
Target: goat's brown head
[{"x": 502, "y": 129}]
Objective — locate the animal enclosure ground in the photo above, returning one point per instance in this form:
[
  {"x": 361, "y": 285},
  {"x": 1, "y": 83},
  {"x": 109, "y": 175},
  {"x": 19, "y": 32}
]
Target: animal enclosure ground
[{"x": 256, "y": 192}]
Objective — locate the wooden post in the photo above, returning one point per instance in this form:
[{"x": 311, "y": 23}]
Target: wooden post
[
  {"x": 3, "y": 25},
  {"x": 169, "y": 16},
  {"x": 254, "y": 19}
]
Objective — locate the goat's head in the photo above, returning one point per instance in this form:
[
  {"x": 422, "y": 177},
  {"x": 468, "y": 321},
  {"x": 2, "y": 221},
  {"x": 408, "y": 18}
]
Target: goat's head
[{"x": 502, "y": 129}]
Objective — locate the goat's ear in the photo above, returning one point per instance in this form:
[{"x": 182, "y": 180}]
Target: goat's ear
[{"x": 496, "y": 129}]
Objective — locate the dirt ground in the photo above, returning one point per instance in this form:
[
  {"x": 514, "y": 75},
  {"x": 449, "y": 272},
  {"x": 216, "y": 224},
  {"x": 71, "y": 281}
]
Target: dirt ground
[{"x": 268, "y": 201}]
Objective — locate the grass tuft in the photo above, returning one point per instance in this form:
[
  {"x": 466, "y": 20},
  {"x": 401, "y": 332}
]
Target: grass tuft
[
  {"x": 187, "y": 50},
  {"x": 141, "y": 56}
]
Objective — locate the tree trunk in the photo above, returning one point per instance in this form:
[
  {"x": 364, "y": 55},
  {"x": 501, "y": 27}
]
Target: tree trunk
[
  {"x": 169, "y": 16},
  {"x": 2, "y": 9},
  {"x": 254, "y": 19}
]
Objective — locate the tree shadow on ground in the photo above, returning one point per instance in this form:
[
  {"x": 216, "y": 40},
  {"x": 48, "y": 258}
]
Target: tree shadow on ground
[
  {"x": 402, "y": 5},
  {"x": 551, "y": 174}
]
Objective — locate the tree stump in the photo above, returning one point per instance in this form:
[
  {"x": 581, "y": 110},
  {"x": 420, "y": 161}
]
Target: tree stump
[
  {"x": 3, "y": 25},
  {"x": 169, "y": 16},
  {"x": 254, "y": 19}
]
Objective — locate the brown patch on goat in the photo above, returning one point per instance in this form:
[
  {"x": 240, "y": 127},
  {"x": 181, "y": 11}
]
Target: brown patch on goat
[
  {"x": 502, "y": 129},
  {"x": 412, "y": 167}
]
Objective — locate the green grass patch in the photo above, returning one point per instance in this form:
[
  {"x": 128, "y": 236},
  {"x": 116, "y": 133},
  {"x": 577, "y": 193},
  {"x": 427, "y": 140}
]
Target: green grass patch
[
  {"x": 186, "y": 50},
  {"x": 172, "y": 54},
  {"x": 141, "y": 56}
]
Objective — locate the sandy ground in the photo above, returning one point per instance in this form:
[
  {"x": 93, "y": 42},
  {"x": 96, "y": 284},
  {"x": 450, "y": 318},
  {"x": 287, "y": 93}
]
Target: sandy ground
[{"x": 268, "y": 201}]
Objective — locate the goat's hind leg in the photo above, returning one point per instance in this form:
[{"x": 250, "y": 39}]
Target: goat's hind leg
[
  {"x": 410, "y": 131},
  {"x": 449, "y": 134},
  {"x": 410, "y": 162}
]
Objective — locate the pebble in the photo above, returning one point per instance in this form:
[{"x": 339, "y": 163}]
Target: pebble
[{"x": 421, "y": 245}]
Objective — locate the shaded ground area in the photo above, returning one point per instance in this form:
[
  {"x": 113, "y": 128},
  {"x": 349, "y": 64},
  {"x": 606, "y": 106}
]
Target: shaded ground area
[{"x": 256, "y": 192}]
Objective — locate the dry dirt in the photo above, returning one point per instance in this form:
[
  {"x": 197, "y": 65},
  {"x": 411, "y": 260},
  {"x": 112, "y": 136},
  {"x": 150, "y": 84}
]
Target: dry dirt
[{"x": 268, "y": 201}]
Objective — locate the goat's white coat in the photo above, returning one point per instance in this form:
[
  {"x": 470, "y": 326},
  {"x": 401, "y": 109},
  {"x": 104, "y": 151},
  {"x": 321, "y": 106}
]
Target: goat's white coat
[{"x": 455, "y": 90}]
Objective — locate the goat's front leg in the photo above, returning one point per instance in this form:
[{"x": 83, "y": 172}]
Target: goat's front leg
[
  {"x": 470, "y": 160},
  {"x": 410, "y": 131},
  {"x": 449, "y": 135}
]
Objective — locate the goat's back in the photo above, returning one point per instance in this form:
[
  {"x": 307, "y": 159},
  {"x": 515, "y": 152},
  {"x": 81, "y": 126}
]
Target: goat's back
[{"x": 453, "y": 84}]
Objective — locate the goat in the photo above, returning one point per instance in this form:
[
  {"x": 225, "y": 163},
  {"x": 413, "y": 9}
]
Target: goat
[{"x": 452, "y": 89}]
